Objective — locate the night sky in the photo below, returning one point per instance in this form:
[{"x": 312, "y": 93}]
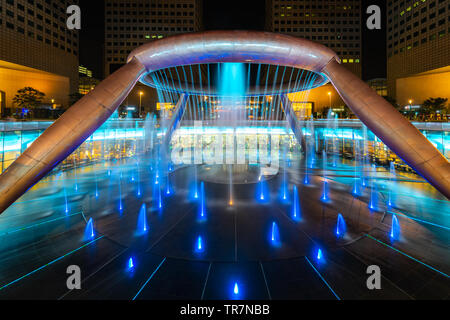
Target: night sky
[{"x": 230, "y": 14}]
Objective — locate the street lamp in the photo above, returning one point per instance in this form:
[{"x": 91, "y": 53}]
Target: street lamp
[
  {"x": 329, "y": 96},
  {"x": 140, "y": 102}
]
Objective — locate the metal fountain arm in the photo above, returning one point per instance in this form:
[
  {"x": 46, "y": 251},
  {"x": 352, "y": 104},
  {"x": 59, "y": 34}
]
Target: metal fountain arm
[
  {"x": 391, "y": 127},
  {"x": 67, "y": 133},
  {"x": 87, "y": 115}
]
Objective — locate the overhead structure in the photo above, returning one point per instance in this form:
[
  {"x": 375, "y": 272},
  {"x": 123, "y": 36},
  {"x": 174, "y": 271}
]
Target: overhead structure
[{"x": 82, "y": 119}]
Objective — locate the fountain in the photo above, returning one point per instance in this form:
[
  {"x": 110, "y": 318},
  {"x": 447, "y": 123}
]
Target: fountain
[
  {"x": 66, "y": 202},
  {"x": 341, "y": 227},
  {"x": 142, "y": 227},
  {"x": 392, "y": 178},
  {"x": 199, "y": 245},
  {"x": 202, "y": 210},
  {"x": 373, "y": 204},
  {"x": 89, "y": 233},
  {"x": 236, "y": 288},
  {"x": 296, "y": 212},
  {"x": 325, "y": 191},
  {"x": 319, "y": 255},
  {"x": 130, "y": 264},
  {"x": 395, "y": 229}
]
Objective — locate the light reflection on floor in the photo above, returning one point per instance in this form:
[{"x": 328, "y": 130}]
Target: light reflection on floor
[{"x": 255, "y": 244}]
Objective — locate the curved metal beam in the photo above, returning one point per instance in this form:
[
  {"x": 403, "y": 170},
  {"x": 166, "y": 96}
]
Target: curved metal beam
[
  {"x": 233, "y": 46},
  {"x": 391, "y": 127},
  {"x": 67, "y": 133},
  {"x": 82, "y": 119}
]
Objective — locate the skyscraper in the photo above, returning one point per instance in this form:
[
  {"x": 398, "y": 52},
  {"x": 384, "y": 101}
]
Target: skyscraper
[
  {"x": 334, "y": 23},
  {"x": 418, "y": 50},
  {"x": 37, "y": 50},
  {"x": 131, "y": 23}
]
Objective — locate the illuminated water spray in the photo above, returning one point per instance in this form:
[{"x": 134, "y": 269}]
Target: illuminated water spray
[
  {"x": 373, "y": 197},
  {"x": 341, "y": 227},
  {"x": 168, "y": 188},
  {"x": 89, "y": 233},
  {"x": 275, "y": 234},
  {"x": 130, "y": 264},
  {"x": 66, "y": 202},
  {"x": 230, "y": 173},
  {"x": 395, "y": 229},
  {"x": 236, "y": 288},
  {"x": 325, "y": 191},
  {"x": 96, "y": 187},
  {"x": 120, "y": 193},
  {"x": 199, "y": 247},
  {"x": 296, "y": 212},
  {"x": 159, "y": 198},
  {"x": 195, "y": 183},
  {"x": 142, "y": 220},
  {"x": 319, "y": 255},
  {"x": 392, "y": 178},
  {"x": 202, "y": 211}
]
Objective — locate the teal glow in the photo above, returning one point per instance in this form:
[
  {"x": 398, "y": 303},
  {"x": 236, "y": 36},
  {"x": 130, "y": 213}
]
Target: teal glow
[
  {"x": 148, "y": 280},
  {"x": 406, "y": 255},
  {"x": 48, "y": 264}
]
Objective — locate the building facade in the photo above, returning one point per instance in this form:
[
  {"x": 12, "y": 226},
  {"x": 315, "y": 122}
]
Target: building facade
[
  {"x": 37, "y": 50},
  {"x": 418, "y": 38},
  {"x": 333, "y": 23},
  {"x": 131, "y": 23}
]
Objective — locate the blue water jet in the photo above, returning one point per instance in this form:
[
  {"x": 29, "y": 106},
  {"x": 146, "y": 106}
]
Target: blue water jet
[
  {"x": 356, "y": 188},
  {"x": 325, "y": 196},
  {"x": 96, "y": 188},
  {"x": 202, "y": 206},
  {"x": 275, "y": 235},
  {"x": 262, "y": 195},
  {"x": 66, "y": 202},
  {"x": 341, "y": 227},
  {"x": 296, "y": 212},
  {"x": 306, "y": 180},
  {"x": 159, "y": 198},
  {"x": 142, "y": 226},
  {"x": 395, "y": 229},
  {"x": 199, "y": 246},
  {"x": 236, "y": 288},
  {"x": 319, "y": 255},
  {"x": 120, "y": 193},
  {"x": 373, "y": 197},
  {"x": 130, "y": 264},
  {"x": 168, "y": 188},
  {"x": 89, "y": 232}
]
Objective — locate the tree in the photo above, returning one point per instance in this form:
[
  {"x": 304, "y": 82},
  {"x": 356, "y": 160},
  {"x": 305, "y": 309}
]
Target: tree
[
  {"x": 29, "y": 98},
  {"x": 433, "y": 105}
]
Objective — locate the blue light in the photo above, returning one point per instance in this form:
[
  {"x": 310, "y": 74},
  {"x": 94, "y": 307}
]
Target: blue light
[
  {"x": 142, "y": 226},
  {"x": 130, "y": 264},
  {"x": 325, "y": 196},
  {"x": 89, "y": 233},
  {"x": 341, "y": 227},
  {"x": 296, "y": 212},
  {"x": 306, "y": 179},
  {"x": 319, "y": 255},
  {"x": 200, "y": 246},
  {"x": 236, "y": 289},
  {"x": 395, "y": 228}
]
